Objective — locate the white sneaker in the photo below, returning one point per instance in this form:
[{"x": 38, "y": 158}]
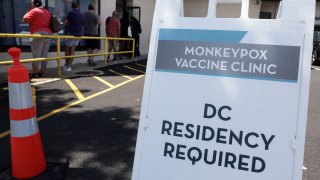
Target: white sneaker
[{"x": 66, "y": 68}]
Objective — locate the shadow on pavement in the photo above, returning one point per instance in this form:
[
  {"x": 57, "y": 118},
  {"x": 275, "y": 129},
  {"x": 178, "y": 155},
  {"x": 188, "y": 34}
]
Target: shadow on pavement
[{"x": 98, "y": 144}]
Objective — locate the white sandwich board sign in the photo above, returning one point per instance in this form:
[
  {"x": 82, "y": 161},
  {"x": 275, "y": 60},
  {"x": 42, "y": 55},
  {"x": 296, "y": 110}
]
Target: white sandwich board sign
[{"x": 225, "y": 98}]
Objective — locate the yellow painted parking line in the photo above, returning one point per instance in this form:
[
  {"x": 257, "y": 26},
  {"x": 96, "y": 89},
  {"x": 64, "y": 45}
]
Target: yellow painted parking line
[
  {"x": 4, "y": 134},
  {"x": 75, "y": 89},
  {"x": 103, "y": 81},
  {"x": 128, "y": 77},
  {"x": 87, "y": 98},
  {"x": 134, "y": 69},
  {"x": 140, "y": 65}
]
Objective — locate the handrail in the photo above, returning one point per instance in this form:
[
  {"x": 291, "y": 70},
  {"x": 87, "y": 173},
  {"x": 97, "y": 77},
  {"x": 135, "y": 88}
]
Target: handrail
[{"x": 58, "y": 40}]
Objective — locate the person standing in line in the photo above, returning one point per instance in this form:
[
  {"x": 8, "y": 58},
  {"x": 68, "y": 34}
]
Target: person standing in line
[
  {"x": 74, "y": 23},
  {"x": 38, "y": 19},
  {"x": 136, "y": 31},
  {"x": 113, "y": 30},
  {"x": 107, "y": 22},
  {"x": 125, "y": 23},
  {"x": 91, "y": 22}
]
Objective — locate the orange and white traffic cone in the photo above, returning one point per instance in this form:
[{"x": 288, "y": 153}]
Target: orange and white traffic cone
[{"x": 26, "y": 146}]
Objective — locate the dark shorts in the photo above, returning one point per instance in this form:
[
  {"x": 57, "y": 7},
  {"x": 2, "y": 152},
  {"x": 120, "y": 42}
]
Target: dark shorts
[{"x": 92, "y": 43}]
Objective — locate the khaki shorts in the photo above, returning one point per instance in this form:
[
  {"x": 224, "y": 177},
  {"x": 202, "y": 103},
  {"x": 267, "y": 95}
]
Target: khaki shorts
[
  {"x": 113, "y": 45},
  {"x": 72, "y": 42}
]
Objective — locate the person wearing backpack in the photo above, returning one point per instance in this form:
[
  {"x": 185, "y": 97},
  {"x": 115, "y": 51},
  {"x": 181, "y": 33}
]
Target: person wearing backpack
[{"x": 38, "y": 19}]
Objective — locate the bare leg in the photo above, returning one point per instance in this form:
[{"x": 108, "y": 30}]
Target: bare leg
[
  {"x": 90, "y": 51},
  {"x": 43, "y": 69},
  {"x": 35, "y": 68},
  {"x": 67, "y": 53},
  {"x": 94, "y": 51},
  {"x": 72, "y": 50}
]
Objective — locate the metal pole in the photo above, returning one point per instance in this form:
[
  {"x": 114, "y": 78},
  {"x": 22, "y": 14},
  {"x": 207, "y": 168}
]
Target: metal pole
[
  {"x": 105, "y": 51},
  {"x": 133, "y": 48},
  {"x": 59, "y": 57}
]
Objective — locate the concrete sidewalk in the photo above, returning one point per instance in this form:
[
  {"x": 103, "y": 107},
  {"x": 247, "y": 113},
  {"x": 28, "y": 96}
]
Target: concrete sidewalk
[{"x": 79, "y": 68}]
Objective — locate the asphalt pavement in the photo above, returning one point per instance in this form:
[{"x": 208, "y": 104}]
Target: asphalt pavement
[
  {"x": 96, "y": 132},
  {"x": 312, "y": 142}
]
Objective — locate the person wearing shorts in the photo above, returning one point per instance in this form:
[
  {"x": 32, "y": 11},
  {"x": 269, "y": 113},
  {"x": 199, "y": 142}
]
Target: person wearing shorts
[
  {"x": 91, "y": 23},
  {"x": 73, "y": 22},
  {"x": 38, "y": 19}
]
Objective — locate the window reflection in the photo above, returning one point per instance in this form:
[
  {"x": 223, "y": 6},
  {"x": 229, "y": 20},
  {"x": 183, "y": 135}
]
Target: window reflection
[{"x": 13, "y": 12}]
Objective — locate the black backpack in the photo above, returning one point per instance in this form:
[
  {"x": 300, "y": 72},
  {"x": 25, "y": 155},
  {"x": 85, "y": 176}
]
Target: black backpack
[{"x": 54, "y": 24}]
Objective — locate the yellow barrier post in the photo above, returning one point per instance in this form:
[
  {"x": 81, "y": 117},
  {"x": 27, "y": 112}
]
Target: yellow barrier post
[
  {"x": 59, "y": 57},
  {"x": 133, "y": 48},
  {"x": 105, "y": 51}
]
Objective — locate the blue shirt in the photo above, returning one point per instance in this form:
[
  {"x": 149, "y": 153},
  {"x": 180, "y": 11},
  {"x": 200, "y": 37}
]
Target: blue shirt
[{"x": 75, "y": 20}]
